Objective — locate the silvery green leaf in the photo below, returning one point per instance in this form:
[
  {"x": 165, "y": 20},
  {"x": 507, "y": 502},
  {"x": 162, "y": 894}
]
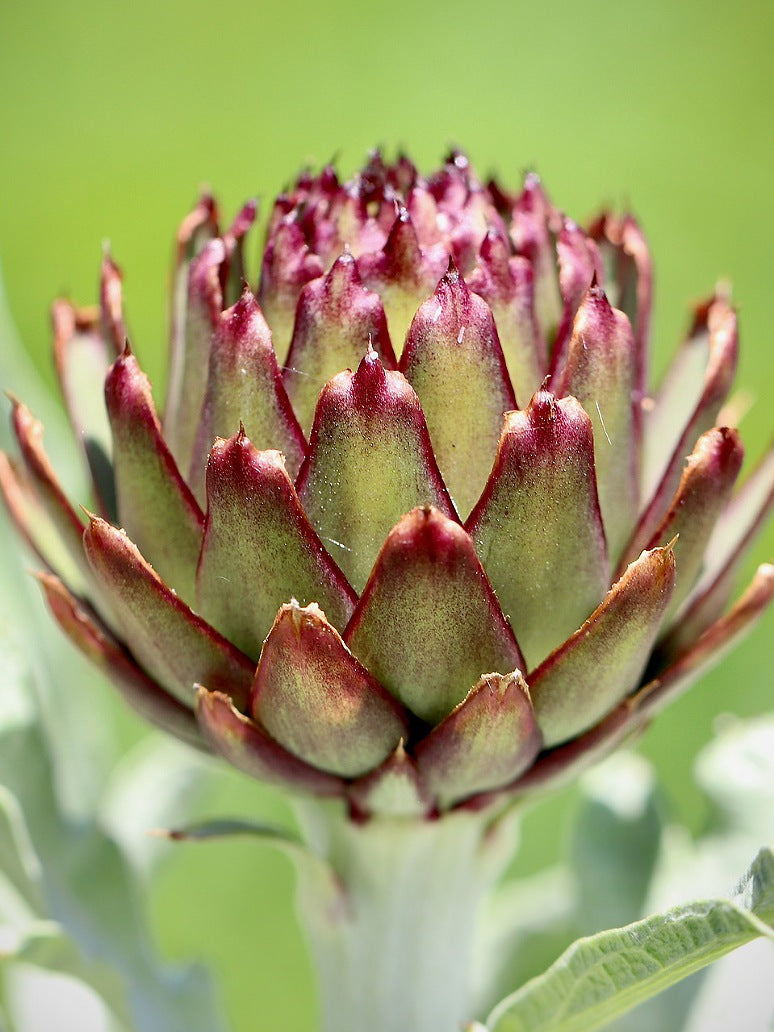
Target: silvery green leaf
[
  {"x": 615, "y": 842},
  {"x": 46, "y": 970},
  {"x": 615, "y": 839},
  {"x": 151, "y": 786},
  {"x": 20, "y": 872},
  {"x": 84, "y": 916},
  {"x": 736, "y": 772},
  {"x": 37, "y": 999},
  {"x": 63, "y": 679},
  {"x": 607, "y": 974},
  {"x": 526, "y": 923}
]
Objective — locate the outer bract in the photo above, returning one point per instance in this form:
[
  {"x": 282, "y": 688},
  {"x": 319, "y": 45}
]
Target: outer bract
[{"x": 414, "y": 530}]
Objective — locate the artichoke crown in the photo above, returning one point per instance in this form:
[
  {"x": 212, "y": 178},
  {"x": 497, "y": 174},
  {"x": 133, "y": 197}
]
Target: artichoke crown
[{"x": 413, "y": 529}]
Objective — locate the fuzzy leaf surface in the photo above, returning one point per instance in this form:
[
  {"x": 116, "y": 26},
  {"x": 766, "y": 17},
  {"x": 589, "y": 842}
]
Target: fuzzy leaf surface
[{"x": 607, "y": 974}]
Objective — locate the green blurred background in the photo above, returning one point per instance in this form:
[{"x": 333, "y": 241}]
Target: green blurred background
[{"x": 113, "y": 116}]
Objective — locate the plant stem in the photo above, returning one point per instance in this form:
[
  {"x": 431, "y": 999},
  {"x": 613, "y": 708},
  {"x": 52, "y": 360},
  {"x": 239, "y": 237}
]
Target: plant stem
[{"x": 393, "y": 949}]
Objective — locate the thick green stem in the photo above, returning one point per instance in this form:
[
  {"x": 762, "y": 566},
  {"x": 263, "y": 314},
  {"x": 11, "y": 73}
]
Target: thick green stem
[{"x": 393, "y": 945}]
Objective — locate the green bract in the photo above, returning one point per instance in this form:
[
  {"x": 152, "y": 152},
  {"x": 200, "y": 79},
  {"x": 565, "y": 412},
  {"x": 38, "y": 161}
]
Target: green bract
[{"x": 413, "y": 531}]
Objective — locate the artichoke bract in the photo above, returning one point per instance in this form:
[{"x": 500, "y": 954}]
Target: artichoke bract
[{"x": 413, "y": 530}]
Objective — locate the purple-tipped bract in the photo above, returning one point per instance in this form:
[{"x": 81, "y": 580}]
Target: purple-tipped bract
[{"x": 414, "y": 529}]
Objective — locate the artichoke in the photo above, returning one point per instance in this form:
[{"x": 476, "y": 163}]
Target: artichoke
[{"x": 413, "y": 531}]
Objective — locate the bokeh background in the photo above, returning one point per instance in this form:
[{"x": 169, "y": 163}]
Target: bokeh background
[{"x": 113, "y": 115}]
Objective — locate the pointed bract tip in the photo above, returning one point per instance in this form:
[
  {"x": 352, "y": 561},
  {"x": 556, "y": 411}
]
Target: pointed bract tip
[
  {"x": 370, "y": 368},
  {"x": 243, "y": 220},
  {"x": 595, "y": 296},
  {"x": 500, "y": 686},
  {"x": 723, "y": 291},
  {"x": 169, "y": 834},
  {"x": 665, "y": 553},
  {"x": 457, "y": 157},
  {"x": 542, "y": 405},
  {"x": 300, "y": 615},
  {"x": 92, "y": 517},
  {"x": 108, "y": 265},
  {"x": 346, "y": 260}
]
